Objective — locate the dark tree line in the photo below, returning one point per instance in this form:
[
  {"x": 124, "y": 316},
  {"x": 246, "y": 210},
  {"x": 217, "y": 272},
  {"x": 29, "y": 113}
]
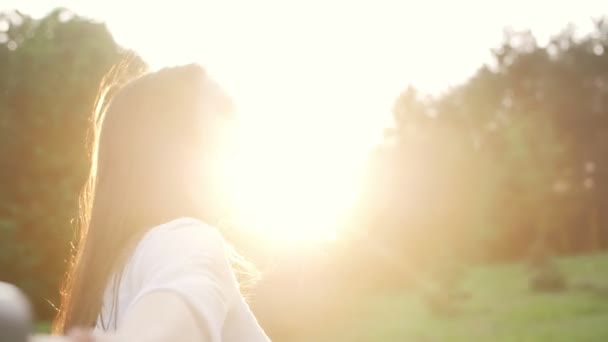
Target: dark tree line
[{"x": 515, "y": 157}]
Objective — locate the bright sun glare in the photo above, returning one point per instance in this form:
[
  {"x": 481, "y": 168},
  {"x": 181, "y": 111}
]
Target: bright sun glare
[{"x": 293, "y": 180}]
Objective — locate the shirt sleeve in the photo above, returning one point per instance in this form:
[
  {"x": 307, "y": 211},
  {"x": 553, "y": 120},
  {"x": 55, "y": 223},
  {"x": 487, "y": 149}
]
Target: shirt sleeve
[{"x": 191, "y": 260}]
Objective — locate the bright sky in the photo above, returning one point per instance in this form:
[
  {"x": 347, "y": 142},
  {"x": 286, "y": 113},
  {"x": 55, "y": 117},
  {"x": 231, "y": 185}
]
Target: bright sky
[{"x": 320, "y": 76}]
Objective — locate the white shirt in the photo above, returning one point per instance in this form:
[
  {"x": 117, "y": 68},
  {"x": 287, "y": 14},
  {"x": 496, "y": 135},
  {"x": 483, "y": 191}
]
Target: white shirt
[{"x": 189, "y": 258}]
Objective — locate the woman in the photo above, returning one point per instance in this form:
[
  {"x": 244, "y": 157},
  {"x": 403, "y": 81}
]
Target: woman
[{"x": 148, "y": 264}]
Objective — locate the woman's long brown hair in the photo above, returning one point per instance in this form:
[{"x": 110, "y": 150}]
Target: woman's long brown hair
[{"x": 153, "y": 147}]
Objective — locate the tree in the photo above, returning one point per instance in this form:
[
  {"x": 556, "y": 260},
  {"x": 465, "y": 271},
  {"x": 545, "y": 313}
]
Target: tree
[
  {"x": 50, "y": 70},
  {"x": 515, "y": 155}
]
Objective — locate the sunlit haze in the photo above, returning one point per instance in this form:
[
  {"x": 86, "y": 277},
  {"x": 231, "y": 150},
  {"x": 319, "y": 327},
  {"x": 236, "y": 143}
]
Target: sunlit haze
[{"x": 314, "y": 81}]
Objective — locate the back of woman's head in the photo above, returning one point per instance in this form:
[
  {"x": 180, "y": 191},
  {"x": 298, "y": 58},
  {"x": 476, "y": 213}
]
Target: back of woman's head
[
  {"x": 158, "y": 140},
  {"x": 154, "y": 158}
]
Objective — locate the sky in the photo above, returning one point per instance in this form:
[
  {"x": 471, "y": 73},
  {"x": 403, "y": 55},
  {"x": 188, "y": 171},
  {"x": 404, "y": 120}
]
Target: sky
[
  {"x": 367, "y": 50},
  {"x": 320, "y": 76}
]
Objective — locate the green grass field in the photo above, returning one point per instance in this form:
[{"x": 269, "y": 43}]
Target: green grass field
[{"x": 501, "y": 308}]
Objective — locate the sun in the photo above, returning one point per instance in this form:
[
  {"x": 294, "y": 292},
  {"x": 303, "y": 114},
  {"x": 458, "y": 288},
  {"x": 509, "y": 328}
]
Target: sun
[{"x": 291, "y": 181}]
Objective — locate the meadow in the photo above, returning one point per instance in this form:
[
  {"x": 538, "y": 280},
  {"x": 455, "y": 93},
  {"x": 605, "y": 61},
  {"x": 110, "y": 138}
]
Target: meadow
[{"x": 501, "y": 308}]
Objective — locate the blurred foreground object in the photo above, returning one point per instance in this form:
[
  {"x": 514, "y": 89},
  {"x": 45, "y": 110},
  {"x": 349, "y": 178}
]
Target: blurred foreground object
[{"x": 15, "y": 314}]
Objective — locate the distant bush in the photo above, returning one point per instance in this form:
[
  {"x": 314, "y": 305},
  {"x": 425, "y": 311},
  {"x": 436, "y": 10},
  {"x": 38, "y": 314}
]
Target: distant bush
[{"x": 545, "y": 275}]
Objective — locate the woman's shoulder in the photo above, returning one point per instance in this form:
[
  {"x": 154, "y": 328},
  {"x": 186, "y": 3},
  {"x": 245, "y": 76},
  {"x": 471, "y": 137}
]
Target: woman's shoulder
[
  {"x": 187, "y": 257},
  {"x": 180, "y": 240},
  {"x": 184, "y": 231},
  {"x": 184, "y": 224}
]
